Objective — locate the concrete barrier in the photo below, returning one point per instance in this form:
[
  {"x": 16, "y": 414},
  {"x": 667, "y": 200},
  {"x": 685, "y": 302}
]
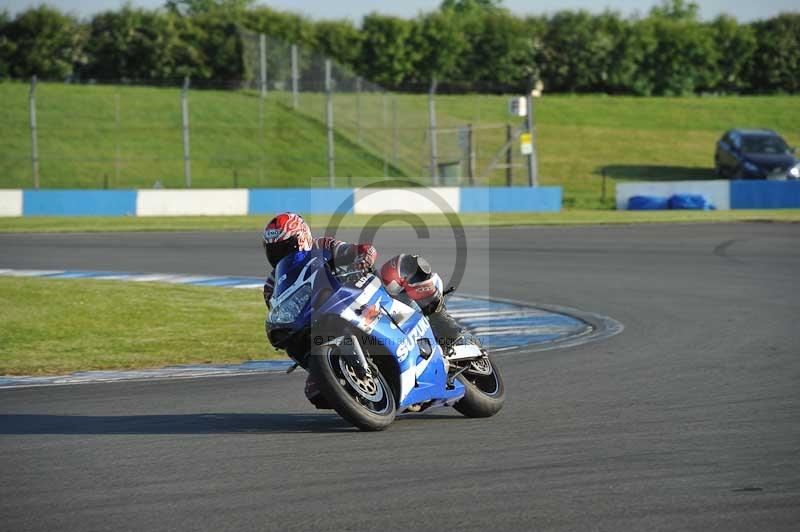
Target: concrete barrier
[
  {"x": 307, "y": 200},
  {"x": 79, "y": 202},
  {"x": 765, "y": 194},
  {"x": 515, "y": 199},
  {"x": 10, "y": 202},
  {"x": 207, "y": 202},
  {"x": 723, "y": 194},
  {"x": 417, "y": 200},
  {"x": 239, "y": 202}
]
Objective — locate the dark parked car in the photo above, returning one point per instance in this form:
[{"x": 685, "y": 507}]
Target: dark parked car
[{"x": 755, "y": 154}]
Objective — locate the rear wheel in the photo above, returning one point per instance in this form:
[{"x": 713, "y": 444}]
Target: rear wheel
[
  {"x": 366, "y": 402},
  {"x": 485, "y": 393}
]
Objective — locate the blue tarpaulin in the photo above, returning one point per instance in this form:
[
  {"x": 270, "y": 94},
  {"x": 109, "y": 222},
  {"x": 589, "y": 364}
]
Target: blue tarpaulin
[
  {"x": 676, "y": 201},
  {"x": 689, "y": 201},
  {"x": 647, "y": 203}
]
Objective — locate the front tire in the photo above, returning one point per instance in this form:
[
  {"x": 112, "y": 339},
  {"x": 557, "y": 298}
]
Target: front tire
[
  {"x": 367, "y": 403},
  {"x": 485, "y": 392}
]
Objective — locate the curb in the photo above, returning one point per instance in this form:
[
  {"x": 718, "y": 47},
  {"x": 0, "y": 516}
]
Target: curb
[
  {"x": 505, "y": 325},
  {"x": 600, "y": 327}
]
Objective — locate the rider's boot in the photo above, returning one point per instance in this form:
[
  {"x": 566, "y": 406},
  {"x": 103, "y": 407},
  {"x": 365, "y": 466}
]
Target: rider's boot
[
  {"x": 447, "y": 330},
  {"x": 314, "y": 394}
]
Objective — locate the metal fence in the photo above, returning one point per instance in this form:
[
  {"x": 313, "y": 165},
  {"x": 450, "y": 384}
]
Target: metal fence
[{"x": 298, "y": 118}]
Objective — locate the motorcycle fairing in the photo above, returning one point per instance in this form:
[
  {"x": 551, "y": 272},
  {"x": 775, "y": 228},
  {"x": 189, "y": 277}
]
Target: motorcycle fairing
[{"x": 385, "y": 322}]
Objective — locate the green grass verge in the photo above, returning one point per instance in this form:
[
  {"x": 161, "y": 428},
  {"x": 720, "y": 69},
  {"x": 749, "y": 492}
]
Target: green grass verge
[
  {"x": 80, "y": 140},
  {"x": 577, "y": 137},
  {"x": 319, "y": 222},
  {"x": 50, "y": 326}
]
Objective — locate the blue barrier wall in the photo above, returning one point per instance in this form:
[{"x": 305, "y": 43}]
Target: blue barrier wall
[
  {"x": 514, "y": 199},
  {"x": 79, "y": 203},
  {"x": 314, "y": 200},
  {"x": 268, "y": 201},
  {"x": 743, "y": 195},
  {"x": 765, "y": 194}
]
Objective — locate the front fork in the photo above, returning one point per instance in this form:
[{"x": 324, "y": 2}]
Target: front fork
[{"x": 350, "y": 350}]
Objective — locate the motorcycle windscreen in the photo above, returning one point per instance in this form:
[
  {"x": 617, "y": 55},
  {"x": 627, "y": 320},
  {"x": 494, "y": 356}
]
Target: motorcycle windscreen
[
  {"x": 296, "y": 279},
  {"x": 296, "y": 266}
]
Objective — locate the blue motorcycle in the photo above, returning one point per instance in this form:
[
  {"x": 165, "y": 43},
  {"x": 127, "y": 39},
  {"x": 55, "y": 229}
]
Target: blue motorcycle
[{"x": 373, "y": 355}]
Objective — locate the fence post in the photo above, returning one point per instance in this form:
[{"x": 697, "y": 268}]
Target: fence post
[
  {"x": 532, "y": 177},
  {"x": 261, "y": 139},
  {"x": 329, "y": 121},
  {"x": 263, "y": 56},
  {"x": 394, "y": 131},
  {"x": 295, "y": 76},
  {"x": 358, "y": 109},
  {"x": 34, "y": 140},
  {"x": 509, "y": 157},
  {"x": 471, "y": 154},
  {"x": 432, "y": 129},
  {"x": 261, "y": 103},
  {"x": 187, "y": 170},
  {"x": 116, "y": 140},
  {"x": 383, "y": 136}
]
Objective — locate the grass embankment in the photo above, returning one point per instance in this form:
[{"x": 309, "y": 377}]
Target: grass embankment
[
  {"x": 319, "y": 222},
  {"x": 84, "y": 130},
  {"x": 635, "y": 139},
  {"x": 577, "y": 136},
  {"x": 50, "y": 326}
]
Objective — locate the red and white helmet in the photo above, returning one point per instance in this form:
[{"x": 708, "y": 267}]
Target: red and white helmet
[{"x": 285, "y": 234}]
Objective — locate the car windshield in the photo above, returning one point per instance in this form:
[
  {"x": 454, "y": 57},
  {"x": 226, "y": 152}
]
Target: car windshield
[{"x": 763, "y": 144}]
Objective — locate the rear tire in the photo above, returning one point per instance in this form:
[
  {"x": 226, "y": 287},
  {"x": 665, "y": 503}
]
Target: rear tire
[
  {"x": 485, "y": 393},
  {"x": 347, "y": 399}
]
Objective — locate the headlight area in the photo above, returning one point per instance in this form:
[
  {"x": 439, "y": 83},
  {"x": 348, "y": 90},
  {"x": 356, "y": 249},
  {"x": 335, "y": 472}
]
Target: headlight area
[
  {"x": 794, "y": 172},
  {"x": 290, "y": 308}
]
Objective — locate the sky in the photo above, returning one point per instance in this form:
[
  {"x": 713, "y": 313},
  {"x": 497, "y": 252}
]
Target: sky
[{"x": 355, "y": 9}]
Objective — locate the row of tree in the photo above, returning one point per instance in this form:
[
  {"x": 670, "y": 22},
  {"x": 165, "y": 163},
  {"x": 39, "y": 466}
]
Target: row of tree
[{"x": 478, "y": 43}]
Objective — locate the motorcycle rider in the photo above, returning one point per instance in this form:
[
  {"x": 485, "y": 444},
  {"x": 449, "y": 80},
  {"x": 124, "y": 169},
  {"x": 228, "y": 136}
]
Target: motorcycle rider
[{"x": 406, "y": 277}]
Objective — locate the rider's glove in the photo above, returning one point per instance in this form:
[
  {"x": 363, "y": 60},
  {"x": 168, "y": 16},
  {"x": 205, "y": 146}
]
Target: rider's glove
[
  {"x": 367, "y": 255},
  {"x": 269, "y": 288}
]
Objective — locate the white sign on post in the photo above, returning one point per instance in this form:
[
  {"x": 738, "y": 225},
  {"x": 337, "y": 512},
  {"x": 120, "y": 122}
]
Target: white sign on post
[
  {"x": 526, "y": 144},
  {"x": 518, "y": 106}
]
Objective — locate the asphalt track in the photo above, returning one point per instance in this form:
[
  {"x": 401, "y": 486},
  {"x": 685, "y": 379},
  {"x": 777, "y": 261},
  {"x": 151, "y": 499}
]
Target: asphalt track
[{"x": 688, "y": 420}]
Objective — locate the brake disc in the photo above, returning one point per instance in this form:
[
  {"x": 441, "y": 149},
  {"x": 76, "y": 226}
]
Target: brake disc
[
  {"x": 480, "y": 366},
  {"x": 367, "y": 386}
]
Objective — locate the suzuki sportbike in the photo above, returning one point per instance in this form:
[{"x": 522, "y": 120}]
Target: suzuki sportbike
[{"x": 373, "y": 355}]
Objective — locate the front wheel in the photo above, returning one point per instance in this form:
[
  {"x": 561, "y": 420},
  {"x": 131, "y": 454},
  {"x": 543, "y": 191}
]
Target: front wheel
[
  {"x": 485, "y": 393},
  {"x": 366, "y": 402}
]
